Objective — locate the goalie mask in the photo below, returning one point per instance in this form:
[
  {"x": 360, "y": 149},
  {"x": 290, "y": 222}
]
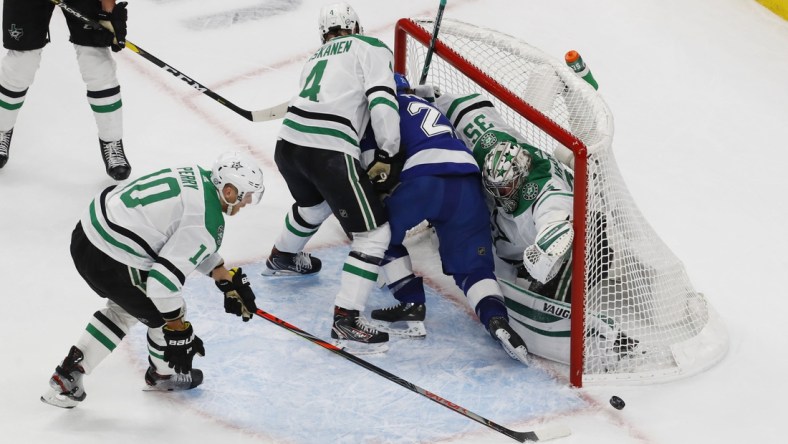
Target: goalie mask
[
  {"x": 338, "y": 16},
  {"x": 239, "y": 170},
  {"x": 504, "y": 171}
]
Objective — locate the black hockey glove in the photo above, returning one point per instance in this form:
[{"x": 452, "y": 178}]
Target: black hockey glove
[
  {"x": 115, "y": 21},
  {"x": 180, "y": 348},
  {"x": 384, "y": 171},
  {"x": 238, "y": 295}
]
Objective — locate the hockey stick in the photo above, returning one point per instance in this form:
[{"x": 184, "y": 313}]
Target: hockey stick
[
  {"x": 275, "y": 112},
  {"x": 549, "y": 432},
  {"x": 431, "y": 48}
]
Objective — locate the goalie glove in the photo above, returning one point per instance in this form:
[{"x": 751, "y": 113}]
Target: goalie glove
[
  {"x": 553, "y": 244},
  {"x": 238, "y": 295},
  {"x": 115, "y": 22},
  {"x": 384, "y": 171}
]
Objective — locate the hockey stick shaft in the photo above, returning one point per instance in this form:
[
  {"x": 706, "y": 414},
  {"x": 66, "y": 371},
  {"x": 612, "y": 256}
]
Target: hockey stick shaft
[
  {"x": 519, "y": 436},
  {"x": 431, "y": 48},
  {"x": 274, "y": 112}
]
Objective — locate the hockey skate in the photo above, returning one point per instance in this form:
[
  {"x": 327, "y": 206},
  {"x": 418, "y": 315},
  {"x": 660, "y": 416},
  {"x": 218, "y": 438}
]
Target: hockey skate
[
  {"x": 115, "y": 161},
  {"x": 291, "y": 264},
  {"x": 402, "y": 320},
  {"x": 511, "y": 342},
  {"x": 172, "y": 383},
  {"x": 66, "y": 388},
  {"x": 5, "y": 146},
  {"x": 352, "y": 334}
]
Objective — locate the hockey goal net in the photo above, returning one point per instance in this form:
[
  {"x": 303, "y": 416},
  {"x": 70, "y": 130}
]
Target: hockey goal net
[{"x": 622, "y": 271}]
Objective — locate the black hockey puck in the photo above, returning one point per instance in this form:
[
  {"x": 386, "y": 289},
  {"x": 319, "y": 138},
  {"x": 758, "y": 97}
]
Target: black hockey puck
[{"x": 617, "y": 402}]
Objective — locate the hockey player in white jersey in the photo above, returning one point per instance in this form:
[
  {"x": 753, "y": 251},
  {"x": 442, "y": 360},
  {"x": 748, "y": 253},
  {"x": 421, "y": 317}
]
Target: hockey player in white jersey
[
  {"x": 346, "y": 84},
  {"x": 533, "y": 237},
  {"x": 532, "y": 228},
  {"x": 135, "y": 246},
  {"x": 474, "y": 114}
]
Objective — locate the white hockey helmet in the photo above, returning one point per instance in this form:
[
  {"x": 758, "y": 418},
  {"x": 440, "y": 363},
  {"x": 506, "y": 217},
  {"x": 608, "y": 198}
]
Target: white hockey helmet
[
  {"x": 338, "y": 16},
  {"x": 505, "y": 170},
  {"x": 239, "y": 170}
]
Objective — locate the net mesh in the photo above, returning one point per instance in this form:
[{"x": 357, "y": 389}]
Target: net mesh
[{"x": 632, "y": 279}]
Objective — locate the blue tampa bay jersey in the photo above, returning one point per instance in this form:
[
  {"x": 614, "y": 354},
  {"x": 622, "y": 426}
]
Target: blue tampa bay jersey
[{"x": 428, "y": 140}]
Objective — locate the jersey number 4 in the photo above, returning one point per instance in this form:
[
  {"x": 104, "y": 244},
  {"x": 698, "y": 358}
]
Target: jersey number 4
[{"x": 312, "y": 84}]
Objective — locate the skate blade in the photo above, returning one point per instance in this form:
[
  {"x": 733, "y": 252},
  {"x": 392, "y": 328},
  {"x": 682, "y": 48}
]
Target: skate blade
[
  {"x": 359, "y": 349},
  {"x": 285, "y": 273},
  {"x": 517, "y": 353},
  {"x": 54, "y": 398},
  {"x": 412, "y": 329}
]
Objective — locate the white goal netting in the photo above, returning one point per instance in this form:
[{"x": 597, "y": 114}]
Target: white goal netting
[{"x": 631, "y": 278}]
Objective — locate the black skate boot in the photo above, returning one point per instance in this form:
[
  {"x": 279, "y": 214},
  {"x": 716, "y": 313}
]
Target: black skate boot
[
  {"x": 351, "y": 333},
  {"x": 511, "y": 342},
  {"x": 5, "y": 146},
  {"x": 66, "y": 388},
  {"x": 114, "y": 158},
  {"x": 172, "y": 383},
  {"x": 390, "y": 319},
  {"x": 291, "y": 264}
]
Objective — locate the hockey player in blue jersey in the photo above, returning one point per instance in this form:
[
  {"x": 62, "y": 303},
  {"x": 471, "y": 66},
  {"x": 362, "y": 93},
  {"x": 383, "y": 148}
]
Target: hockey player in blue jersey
[{"x": 440, "y": 182}]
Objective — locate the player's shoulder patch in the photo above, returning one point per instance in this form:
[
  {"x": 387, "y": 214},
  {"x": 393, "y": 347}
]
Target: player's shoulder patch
[
  {"x": 530, "y": 191},
  {"x": 488, "y": 140}
]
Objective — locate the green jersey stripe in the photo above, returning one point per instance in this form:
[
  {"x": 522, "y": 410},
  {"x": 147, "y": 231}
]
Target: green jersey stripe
[
  {"x": 321, "y": 131},
  {"x": 369, "y": 219},
  {"x": 457, "y": 103},
  {"x": 383, "y": 101},
  {"x": 162, "y": 280}
]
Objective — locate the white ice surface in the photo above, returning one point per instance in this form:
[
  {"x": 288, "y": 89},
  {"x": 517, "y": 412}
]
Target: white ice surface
[{"x": 699, "y": 91}]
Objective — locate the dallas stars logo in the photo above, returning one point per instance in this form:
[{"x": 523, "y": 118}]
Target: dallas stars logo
[
  {"x": 530, "y": 191},
  {"x": 236, "y": 165},
  {"x": 16, "y": 33},
  {"x": 488, "y": 141}
]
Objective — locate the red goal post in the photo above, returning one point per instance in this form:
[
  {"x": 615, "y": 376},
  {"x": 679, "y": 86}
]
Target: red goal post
[{"x": 625, "y": 275}]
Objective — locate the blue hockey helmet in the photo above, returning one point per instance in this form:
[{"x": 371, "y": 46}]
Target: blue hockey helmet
[{"x": 402, "y": 82}]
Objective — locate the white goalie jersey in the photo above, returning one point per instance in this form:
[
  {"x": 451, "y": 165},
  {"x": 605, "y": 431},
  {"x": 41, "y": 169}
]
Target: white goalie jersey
[
  {"x": 168, "y": 223},
  {"x": 345, "y": 85}
]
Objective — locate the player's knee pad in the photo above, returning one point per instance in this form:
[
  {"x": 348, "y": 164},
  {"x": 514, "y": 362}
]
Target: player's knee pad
[
  {"x": 120, "y": 317},
  {"x": 19, "y": 69},
  {"x": 98, "y": 68},
  {"x": 372, "y": 243},
  {"x": 311, "y": 216}
]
